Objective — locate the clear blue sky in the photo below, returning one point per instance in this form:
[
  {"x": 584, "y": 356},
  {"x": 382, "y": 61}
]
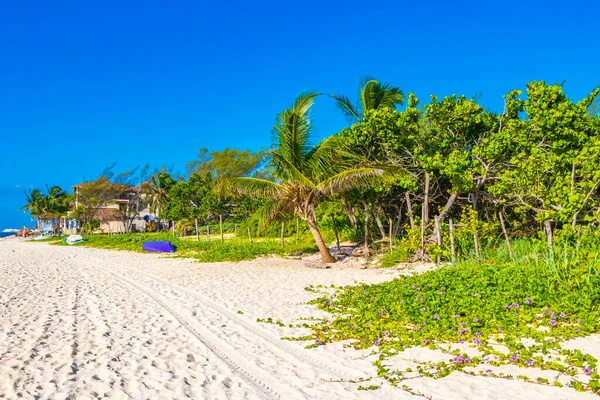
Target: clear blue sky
[{"x": 84, "y": 84}]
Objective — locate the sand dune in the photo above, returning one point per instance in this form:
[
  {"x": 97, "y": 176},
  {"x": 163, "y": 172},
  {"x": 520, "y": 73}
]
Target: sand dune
[{"x": 87, "y": 323}]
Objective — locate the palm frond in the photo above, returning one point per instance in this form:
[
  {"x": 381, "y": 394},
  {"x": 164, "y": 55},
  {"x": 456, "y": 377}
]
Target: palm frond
[
  {"x": 292, "y": 130},
  {"x": 271, "y": 210},
  {"x": 351, "y": 179},
  {"x": 366, "y": 94},
  {"x": 330, "y": 156},
  {"x": 386, "y": 95},
  {"x": 254, "y": 187},
  {"x": 344, "y": 104},
  {"x": 289, "y": 171}
]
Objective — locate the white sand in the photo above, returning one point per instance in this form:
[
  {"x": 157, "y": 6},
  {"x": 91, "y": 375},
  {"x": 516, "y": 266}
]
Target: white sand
[{"x": 87, "y": 323}]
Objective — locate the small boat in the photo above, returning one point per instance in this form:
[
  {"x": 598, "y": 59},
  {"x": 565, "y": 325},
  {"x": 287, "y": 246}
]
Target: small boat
[
  {"x": 74, "y": 239},
  {"x": 158, "y": 247}
]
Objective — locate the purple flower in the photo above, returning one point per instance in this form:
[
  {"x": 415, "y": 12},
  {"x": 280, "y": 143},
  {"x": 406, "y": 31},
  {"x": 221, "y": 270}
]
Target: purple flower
[
  {"x": 527, "y": 300},
  {"x": 578, "y": 321},
  {"x": 462, "y": 324},
  {"x": 478, "y": 334},
  {"x": 436, "y": 316},
  {"x": 587, "y": 371},
  {"x": 577, "y": 330},
  {"x": 467, "y": 360},
  {"x": 423, "y": 309},
  {"x": 475, "y": 320},
  {"x": 317, "y": 341},
  {"x": 368, "y": 325},
  {"x": 423, "y": 323},
  {"x": 553, "y": 322},
  {"x": 500, "y": 329},
  {"x": 401, "y": 301},
  {"x": 418, "y": 289},
  {"x": 377, "y": 342},
  {"x": 455, "y": 316},
  {"x": 562, "y": 314},
  {"x": 529, "y": 363},
  {"x": 381, "y": 313},
  {"x": 514, "y": 358},
  {"x": 424, "y": 341},
  {"x": 439, "y": 292},
  {"x": 487, "y": 371},
  {"x": 552, "y": 316},
  {"x": 413, "y": 286},
  {"x": 457, "y": 359}
]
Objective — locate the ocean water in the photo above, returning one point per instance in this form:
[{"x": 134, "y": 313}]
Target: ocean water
[{"x": 5, "y": 234}]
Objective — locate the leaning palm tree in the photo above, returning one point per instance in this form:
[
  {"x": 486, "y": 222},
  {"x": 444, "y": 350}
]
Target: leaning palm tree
[
  {"x": 372, "y": 95},
  {"x": 305, "y": 175}
]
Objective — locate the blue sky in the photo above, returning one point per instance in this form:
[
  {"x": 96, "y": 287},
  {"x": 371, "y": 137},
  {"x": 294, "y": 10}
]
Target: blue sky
[{"x": 85, "y": 84}]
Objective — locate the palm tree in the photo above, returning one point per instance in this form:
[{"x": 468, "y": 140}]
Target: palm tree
[
  {"x": 372, "y": 95},
  {"x": 53, "y": 204},
  {"x": 158, "y": 191},
  {"x": 304, "y": 175},
  {"x": 35, "y": 203}
]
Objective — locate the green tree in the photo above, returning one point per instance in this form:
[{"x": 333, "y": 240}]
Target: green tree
[
  {"x": 305, "y": 175},
  {"x": 552, "y": 155}
]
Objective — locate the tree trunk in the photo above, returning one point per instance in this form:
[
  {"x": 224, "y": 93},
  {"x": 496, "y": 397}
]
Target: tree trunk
[
  {"x": 350, "y": 212},
  {"x": 326, "y": 256},
  {"x": 440, "y": 218},
  {"x": 366, "y": 228},
  {"x": 409, "y": 210},
  {"x": 379, "y": 224}
]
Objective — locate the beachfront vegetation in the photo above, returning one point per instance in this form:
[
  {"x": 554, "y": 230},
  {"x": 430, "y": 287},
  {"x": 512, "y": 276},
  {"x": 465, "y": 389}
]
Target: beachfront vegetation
[
  {"x": 532, "y": 167},
  {"x": 510, "y": 201},
  {"x": 482, "y": 315}
]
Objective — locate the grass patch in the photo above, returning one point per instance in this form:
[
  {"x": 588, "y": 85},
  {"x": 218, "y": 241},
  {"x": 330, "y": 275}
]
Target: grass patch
[{"x": 202, "y": 250}]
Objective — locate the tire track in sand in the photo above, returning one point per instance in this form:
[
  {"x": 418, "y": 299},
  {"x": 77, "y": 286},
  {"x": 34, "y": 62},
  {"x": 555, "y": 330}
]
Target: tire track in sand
[{"x": 266, "y": 384}]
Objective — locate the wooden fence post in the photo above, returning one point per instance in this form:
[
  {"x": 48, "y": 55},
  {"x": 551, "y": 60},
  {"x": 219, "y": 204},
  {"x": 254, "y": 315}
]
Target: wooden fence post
[
  {"x": 391, "y": 222},
  {"x": 476, "y": 240},
  {"x": 297, "y": 229},
  {"x": 512, "y": 256},
  {"x": 452, "y": 248},
  {"x": 282, "y": 233},
  {"x": 208, "y": 233},
  {"x": 548, "y": 229},
  {"x": 221, "y": 227},
  {"x": 439, "y": 238},
  {"x": 249, "y": 236}
]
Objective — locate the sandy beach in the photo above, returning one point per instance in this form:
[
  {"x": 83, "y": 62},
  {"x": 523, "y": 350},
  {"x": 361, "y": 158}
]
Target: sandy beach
[{"x": 83, "y": 323}]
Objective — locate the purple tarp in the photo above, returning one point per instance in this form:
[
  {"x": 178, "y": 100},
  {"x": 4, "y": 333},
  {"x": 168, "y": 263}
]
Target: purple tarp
[{"x": 158, "y": 247}]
